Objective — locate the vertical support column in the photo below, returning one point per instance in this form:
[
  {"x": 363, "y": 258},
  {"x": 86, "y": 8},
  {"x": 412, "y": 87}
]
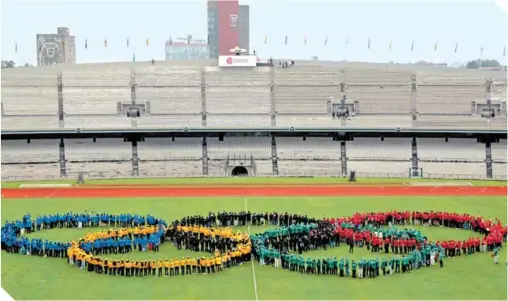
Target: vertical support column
[
  {"x": 59, "y": 85},
  {"x": 203, "y": 98},
  {"x": 135, "y": 158},
  {"x": 275, "y": 161},
  {"x": 488, "y": 90},
  {"x": 273, "y": 108},
  {"x": 488, "y": 159},
  {"x": 63, "y": 169},
  {"x": 204, "y": 149},
  {"x": 414, "y": 100},
  {"x": 343, "y": 158},
  {"x": 342, "y": 87},
  {"x": 133, "y": 85},
  {"x": 414, "y": 159}
]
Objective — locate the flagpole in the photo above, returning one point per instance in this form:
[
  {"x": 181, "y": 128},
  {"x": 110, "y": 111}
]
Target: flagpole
[{"x": 481, "y": 56}]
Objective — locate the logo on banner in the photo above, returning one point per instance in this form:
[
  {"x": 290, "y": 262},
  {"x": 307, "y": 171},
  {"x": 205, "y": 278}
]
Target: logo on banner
[{"x": 233, "y": 20}]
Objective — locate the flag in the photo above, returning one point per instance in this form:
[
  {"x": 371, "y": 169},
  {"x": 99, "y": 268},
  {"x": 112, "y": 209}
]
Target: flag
[
  {"x": 286, "y": 42},
  {"x": 347, "y": 40},
  {"x": 86, "y": 44},
  {"x": 105, "y": 43},
  {"x": 147, "y": 42},
  {"x": 15, "y": 46},
  {"x": 170, "y": 40},
  {"x": 134, "y": 57},
  {"x": 326, "y": 41},
  {"x": 413, "y": 46},
  {"x": 128, "y": 42},
  {"x": 305, "y": 40},
  {"x": 481, "y": 49},
  {"x": 456, "y": 47},
  {"x": 266, "y": 38},
  {"x": 390, "y": 46},
  {"x": 504, "y": 51},
  {"x": 435, "y": 47},
  {"x": 368, "y": 45}
]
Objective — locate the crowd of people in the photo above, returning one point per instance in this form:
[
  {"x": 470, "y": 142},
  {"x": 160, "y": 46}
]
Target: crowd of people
[{"x": 386, "y": 234}]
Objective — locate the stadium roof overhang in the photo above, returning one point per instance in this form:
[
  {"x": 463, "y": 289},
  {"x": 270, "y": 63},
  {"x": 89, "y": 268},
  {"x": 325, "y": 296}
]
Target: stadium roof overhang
[{"x": 338, "y": 133}]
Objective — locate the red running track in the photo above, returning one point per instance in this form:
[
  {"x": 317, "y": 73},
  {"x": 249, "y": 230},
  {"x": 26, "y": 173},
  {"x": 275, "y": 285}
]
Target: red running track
[{"x": 124, "y": 192}]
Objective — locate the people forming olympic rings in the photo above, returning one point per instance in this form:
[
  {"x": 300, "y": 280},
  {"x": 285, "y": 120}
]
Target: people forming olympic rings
[{"x": 384, "y": 234}]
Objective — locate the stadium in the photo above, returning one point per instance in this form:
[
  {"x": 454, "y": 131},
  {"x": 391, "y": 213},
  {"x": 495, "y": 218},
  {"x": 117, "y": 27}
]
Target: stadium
[{"x": 247, "y": 178}]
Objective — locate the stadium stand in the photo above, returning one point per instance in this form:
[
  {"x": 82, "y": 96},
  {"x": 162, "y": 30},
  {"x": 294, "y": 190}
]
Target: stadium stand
[{"x": 197, "y": 94}]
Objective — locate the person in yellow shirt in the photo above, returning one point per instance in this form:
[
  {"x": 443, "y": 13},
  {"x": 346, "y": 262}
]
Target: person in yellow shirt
[
  {"x": 182, "y": 266},
  {"x": 209, "y": 265},
  {"x": 224, "y": 261},
  {"x": 177, "y": 267},
  {"x": 160, "y": 266},
  {"x": 188, "y": 264},
  {"x": 202, "y": 265},
  {"x": 127, "y": 265},
  {"x": 218, "y": 263},
  {"x": 194, "y": 263}
]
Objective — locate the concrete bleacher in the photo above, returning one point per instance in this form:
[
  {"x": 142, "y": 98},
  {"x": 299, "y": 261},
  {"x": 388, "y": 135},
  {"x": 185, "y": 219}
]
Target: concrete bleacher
[
  {"x": 102, "y": 149},
  {"x": 379, "y": 168},
  {"x": 378, "y": 121},
  {"x": 437, "y": 148},
  {"x": 374, "y": 148},
  {"x": 192, "y": 168},
  {"x": 314, "y": 120},
  {"x": 100, "y": 170},
  {"x": 92, "y": 101},
  {"x": 304, "y": 99},
  {"x": 238, "y": 99},
  {"x": 97, "y": 121},
  {"x": 309, "y": 168},
  {"x": 264, "y": 168},
  {"x": 454, "y": 170},
  {"x": 460, "y": 122},
  {"x": 164, "y": 121},
  {"x": 312, "y": 148},
  {"x": 499, "y": 150},
  {"x": 168, "y": 100},
  {"x": 29, "y": 101},
  {"x": 307, "y": 76},
  {"x": 166, "y": 149},
  {"x": 38, "y": 150},
  {"x": 43, "y": 171},
  {"x": 33, "y": 122},
  {"x": 448, "y": 99},
  {"x": 499, "y": 170},
  {"x": 258, "y": 147},
  {"x": 244, "y": 120},
  {"x": 243, "y": 77},
  {"x": 91, "y": 76},
  {"x": 163, "y": 74},
  {"x": 381, "y": 99}
]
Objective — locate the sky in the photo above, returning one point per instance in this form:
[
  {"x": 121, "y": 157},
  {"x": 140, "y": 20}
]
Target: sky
[{"x": 472, "y": 24}]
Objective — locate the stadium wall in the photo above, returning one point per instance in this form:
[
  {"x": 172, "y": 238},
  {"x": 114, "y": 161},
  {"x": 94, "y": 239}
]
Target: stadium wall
[{"x": 265, "y": 152}]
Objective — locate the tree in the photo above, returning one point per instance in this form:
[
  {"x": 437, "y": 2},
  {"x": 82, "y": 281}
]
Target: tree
[
  {"x": 8, "y": 64},
  {"x": 475, "y": 64},
  {"x": 27, "y": 65},
  {"x": 315, "y": 58}
]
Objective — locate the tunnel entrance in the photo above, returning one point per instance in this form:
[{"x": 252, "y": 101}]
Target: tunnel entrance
[{"x": 239, "y": 171}]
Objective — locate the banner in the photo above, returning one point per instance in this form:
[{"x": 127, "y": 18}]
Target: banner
[{"x": 237, "y": 61}]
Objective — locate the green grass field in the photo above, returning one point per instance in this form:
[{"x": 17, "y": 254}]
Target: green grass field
[{"x": 473, "y": 277}]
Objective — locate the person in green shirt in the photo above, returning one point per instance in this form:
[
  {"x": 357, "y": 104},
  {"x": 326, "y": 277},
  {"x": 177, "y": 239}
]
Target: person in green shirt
[
  {"x": 347, "y": 267},
  {"x": 319, "y": 266},
  {"x": 302, "y": 265},
  {"x": 383, "y": 265},
  {"x": 397, "y": 264},
  {"x": 335, "y": 266},
  {"x": 353, "y": 268},
  {"x": 309, "y": 265},
  {"x": 496, "y": 255},
  {"x": 341, "y": 267},
  {"x": 330, "y": 266},
  {"x": 361, "y": 268},
  {"x": 314, "y": 264}
]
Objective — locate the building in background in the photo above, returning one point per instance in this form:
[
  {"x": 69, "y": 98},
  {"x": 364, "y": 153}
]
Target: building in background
[
  {"x": 187, "y": 49},
  {"x": 243, "y": 27},
  {"x": 59, "y": 48},
  {"x": 228, "y": 26}
]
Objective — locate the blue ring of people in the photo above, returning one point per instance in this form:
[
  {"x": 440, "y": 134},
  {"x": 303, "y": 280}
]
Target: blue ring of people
[{"x": 389, "y": 235}]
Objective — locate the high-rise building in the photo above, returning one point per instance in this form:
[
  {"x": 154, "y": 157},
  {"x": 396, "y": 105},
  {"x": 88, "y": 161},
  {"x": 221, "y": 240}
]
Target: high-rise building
[
  {"x": 187, "y": 49},
  {"x": 243, "y": 27},
  {"x": 228, "y": 26},
  {"x": 56, "y": 48}
]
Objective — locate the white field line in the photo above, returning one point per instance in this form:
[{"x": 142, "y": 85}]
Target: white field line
[{"x": 252, "y": 260}]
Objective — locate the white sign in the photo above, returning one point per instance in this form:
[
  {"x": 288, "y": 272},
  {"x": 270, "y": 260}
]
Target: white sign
[
  {"x": 233, "y": 20},
  {"x": 262, "y": 61},
  {"x": 237, "y": 61}
]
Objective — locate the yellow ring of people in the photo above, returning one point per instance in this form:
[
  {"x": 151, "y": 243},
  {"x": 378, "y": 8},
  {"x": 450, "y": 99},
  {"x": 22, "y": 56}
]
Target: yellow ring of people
[{"x": 167, "y": 267}]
